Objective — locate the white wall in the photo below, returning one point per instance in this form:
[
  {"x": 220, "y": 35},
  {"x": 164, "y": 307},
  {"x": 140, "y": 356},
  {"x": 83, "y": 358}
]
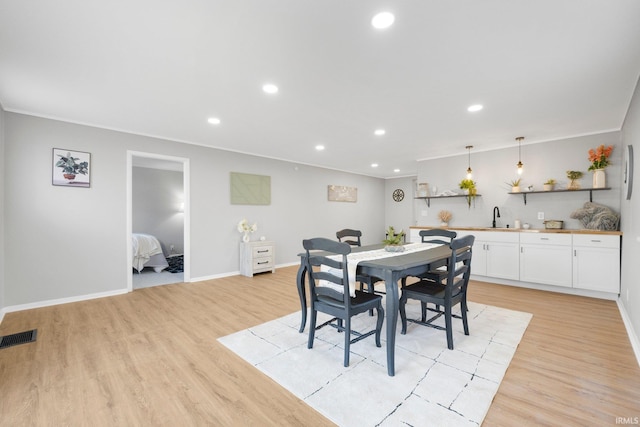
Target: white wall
[
  {"x": 70, "y": 242},
  {"x": 399, "y": 214},
  {"x": 630, "y": 288},
  {"x": 2, "y": 214},
  {"x": 493, "y": 169},
  {"x": 157, "y": 196}
]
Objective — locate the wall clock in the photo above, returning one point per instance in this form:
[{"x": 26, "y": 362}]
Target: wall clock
[
  {"x": 628, "y": 171},
  {"x": 398, "y": 195}
]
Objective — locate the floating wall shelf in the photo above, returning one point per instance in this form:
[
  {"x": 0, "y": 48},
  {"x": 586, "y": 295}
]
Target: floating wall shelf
[
  {"x": 428, "y": 199},
  {"x": 590, "y": 190}
]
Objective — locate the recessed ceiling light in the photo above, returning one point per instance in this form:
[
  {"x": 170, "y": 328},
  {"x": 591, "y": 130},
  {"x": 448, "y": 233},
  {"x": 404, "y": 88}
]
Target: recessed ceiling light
[
  {"x": 374, "y": 165},
  {"x": 380, "y": 132},
  {"x": 474, "y": 108},
  {"x": 383, "y": 20},
  {"x": 214, "y": 120},
  {"x": 319, "y": 147},
  {"x": 396, "y": 170},
  {"x": 270, "y": 88}
]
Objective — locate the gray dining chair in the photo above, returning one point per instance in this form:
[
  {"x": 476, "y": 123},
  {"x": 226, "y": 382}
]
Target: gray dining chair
[
  {"x": 337, "y": 301},
  {"x": 447, "y": 295},
  {"x": 350, "y": 236},
  {"x": 353, "y": 238}
]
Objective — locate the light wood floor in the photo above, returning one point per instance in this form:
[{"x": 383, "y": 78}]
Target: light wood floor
[{"x": 151, "y": 357}]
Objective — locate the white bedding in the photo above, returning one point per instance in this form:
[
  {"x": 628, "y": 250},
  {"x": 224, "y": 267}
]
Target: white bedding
[{"x": 145, "y": 248}]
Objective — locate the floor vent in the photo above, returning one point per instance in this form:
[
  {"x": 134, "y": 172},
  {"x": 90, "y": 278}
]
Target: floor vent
[{"x": 19, "y": 338}]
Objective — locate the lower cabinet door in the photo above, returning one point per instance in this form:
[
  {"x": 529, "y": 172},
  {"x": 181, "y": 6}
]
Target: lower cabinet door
[
  {"x": 596, "y": 269},
  {"x": 547, "y": 264},
  {"x": 502, "y": 260}
]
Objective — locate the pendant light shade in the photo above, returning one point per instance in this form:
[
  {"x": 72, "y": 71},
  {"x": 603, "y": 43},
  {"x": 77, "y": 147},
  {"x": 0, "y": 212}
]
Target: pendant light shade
[
  {"x": 469, "y": 171},
  {"x": 520, "y": 165}
]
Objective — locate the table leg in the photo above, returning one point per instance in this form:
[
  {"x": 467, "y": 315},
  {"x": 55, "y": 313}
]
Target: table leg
[
  {"x": 391, "y": 284},
  {"x": 300, "y": 282}
]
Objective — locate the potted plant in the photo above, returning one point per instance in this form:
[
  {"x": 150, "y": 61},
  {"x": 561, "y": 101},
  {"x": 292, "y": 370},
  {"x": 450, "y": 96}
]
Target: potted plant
[
  {"x": 394, "y": 240},
  {"x": 599, "y": 159},
  {"x": 574, "y": 176},
  {"x": 515, "y": 185},
  {"x": 469, "y": 187},
  {"x": 70, "y": 168},
  {"x": 549, "y": 184},
  {"x": 445, "y": 217}
]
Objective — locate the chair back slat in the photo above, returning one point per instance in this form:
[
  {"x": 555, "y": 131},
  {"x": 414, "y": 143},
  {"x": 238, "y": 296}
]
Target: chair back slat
[
  {"x": 350, "y": 236},
  {"x": 459, "y": 265},
  {"x": 322, "y": 260},
  {"x": 437, "y": 235}
]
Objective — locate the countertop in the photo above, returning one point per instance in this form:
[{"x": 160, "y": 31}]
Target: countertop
[{"x": 522, "y": 230}]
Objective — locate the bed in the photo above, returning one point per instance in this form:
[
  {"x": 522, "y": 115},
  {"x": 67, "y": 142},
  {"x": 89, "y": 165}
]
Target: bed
[{"x": 147, "y": 252}]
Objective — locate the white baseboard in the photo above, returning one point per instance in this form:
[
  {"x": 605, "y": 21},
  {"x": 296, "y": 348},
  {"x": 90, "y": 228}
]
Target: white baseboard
[
  {"x": 214, "y": 276},
  {"x": 633, "y": 336},
  {"x": 234, "y": 273},
  {"x": 48, "y": 303},
  {"x": 548, "y": 288}
]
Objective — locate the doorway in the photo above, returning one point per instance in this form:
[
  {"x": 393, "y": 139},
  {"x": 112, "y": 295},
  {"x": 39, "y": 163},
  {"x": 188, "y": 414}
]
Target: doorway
[{"x": 175, "y": 209}]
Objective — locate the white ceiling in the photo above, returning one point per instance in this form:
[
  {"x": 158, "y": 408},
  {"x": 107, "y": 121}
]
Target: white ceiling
[{"x": 543, "y": 69}]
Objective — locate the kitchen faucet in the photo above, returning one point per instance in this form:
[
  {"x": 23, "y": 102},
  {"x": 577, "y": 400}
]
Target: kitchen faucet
[{"x": 495, "y": 210}]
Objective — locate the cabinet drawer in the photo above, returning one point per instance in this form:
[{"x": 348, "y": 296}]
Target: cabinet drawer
[
  {"x": 545, "y": 239},
  {"x": 262, "y": 251},
  {"x": 494, "y": 236},
  {"x": 596, "y": 241},
  {"x": 262, "y": 263}
]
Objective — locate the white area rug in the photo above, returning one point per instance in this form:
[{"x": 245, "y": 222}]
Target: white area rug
[{"x": 433, "y": 386}]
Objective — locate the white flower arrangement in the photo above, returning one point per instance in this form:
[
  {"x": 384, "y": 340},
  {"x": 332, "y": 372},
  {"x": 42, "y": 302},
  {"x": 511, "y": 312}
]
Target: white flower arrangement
[{"x": 244, "y": 227}]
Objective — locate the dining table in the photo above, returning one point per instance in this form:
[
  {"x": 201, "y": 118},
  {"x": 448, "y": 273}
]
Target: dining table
[{"x": 391, "y": 269}]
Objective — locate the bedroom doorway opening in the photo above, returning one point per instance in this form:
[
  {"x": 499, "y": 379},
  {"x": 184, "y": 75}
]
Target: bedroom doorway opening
[{"x": 157, "y": 220}]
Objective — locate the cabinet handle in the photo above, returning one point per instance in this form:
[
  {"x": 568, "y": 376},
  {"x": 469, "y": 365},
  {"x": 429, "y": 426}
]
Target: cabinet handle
[
  {"x": 596, "y": 241},
  {"x": 263, "y": 251},
  {"x": 544, "y": 238},
  {"x": 263, "y": 262},
  {"x": 575, "y": 252},
  {"x": 521, "y": 250}
]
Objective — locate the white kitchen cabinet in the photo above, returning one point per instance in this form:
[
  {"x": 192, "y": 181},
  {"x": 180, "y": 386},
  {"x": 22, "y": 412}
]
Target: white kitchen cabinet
[
  {"x": 546, "y": 258},
  {"x": 596, "y": 262},
  {"x": 257, "y": 257},
  {"x": 495, "y": 254}
]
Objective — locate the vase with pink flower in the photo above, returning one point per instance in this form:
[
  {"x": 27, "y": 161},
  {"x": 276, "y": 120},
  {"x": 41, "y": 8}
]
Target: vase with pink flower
[{"x": 599, "y": 158}]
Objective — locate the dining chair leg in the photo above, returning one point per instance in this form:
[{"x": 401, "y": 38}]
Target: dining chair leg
[
  {"x": 464, "y": 309},
  {"x": 403, "y": 313},
  {"x": 380, "y": 311},
  {"x": 423, "y": 306},
  {"x": 312, "y": 327},
  {"x": 347, "y": 341},
  {"x": 448, "y": 325}
]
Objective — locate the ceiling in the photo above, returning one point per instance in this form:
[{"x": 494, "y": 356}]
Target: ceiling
[{"x": 545, "y": 70}]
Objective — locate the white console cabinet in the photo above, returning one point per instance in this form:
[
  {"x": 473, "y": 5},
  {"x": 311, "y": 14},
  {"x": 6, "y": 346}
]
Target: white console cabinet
[
  {"x": 257, "y": 257},
  {"x": 567, "y": 261},
  {"x": 596, "y": 262}
]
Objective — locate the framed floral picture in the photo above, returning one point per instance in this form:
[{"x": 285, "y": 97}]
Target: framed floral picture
[{"x": 71, "y": 168}]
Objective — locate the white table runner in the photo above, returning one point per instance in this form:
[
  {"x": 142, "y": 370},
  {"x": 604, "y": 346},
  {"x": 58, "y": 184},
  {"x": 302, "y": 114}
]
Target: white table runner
[{"x": 355, "y": 257}]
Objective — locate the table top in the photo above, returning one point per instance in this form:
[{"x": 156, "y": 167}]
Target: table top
[
  {"x": 403, "y": 261},
  {"x": 400, "y": 260}
]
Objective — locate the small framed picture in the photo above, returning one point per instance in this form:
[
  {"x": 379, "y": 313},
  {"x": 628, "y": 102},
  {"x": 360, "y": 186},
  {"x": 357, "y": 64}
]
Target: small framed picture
[{"x": 71, "y": 168}]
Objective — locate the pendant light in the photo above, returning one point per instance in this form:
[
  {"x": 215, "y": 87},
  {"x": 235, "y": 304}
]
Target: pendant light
[
  {"x": 520, "y": 165},
  {"x": 469, "y": 175}
]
